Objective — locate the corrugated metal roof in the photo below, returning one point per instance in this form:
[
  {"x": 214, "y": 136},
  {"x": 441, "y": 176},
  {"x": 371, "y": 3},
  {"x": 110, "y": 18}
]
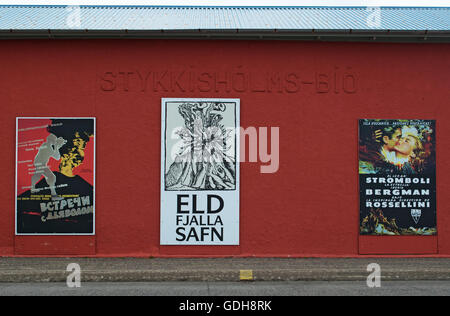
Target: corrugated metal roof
[{"x": 170, "y": 18}]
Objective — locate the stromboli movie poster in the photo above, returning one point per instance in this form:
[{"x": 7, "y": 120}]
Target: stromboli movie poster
[
  {"x": 397, "y": 177},
  {"x": 55, "y": 175}
]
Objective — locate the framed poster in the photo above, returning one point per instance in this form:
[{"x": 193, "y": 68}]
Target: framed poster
[
  {"x": 200, "y": 172},
  {"x": 55, "y": 176},
  {"x": 397, "y": 177}
]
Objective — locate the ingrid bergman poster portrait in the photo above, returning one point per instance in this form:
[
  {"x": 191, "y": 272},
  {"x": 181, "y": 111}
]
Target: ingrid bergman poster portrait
[{"x": 397, "y": 177}]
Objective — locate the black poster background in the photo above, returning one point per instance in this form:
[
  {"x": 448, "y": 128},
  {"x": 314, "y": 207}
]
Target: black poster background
[{"x": 397, "y": 208}]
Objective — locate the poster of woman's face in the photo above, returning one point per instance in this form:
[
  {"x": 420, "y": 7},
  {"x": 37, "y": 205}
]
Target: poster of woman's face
[{"x": 396, "y": 146}]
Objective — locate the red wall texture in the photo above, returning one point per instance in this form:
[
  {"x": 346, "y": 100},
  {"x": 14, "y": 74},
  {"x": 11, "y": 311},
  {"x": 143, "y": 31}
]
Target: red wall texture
[{"x": 314, "y": 92}]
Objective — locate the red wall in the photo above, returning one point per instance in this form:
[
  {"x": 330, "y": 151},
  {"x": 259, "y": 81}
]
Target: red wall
[{"x": 309, "y": 207}]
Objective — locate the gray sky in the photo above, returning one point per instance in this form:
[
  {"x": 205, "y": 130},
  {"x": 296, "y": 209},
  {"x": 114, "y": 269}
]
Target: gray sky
[{"x": 427, "y": 3}]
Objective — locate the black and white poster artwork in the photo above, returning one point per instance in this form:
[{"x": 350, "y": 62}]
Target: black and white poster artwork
[{"x": 200, "y": 172}]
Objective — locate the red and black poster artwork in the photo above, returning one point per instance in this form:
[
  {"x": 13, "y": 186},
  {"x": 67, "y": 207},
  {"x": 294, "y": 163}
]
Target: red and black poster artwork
[{"x": 55, "y": 175}]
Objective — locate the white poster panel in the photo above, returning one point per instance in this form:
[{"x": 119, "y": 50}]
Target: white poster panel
[{"x": 200, "y": 172}]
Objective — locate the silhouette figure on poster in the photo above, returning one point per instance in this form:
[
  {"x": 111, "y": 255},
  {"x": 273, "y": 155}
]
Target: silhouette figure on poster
[{"x": 49, "y": 149}]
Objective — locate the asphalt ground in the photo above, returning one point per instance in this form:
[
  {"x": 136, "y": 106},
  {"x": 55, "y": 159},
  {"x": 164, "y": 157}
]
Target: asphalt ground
[{"x": 230, "y": 290}]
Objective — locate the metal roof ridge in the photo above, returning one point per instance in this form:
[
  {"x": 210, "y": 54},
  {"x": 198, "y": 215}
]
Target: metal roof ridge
[{"x": 218, "y": 7}]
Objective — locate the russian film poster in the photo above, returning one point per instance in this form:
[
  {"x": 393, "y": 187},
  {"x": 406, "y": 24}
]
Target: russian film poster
[
  {"x": 200, "y": 172},
  {"x": 397, "y": 177},
  {"x": 55, "y": 175}
]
